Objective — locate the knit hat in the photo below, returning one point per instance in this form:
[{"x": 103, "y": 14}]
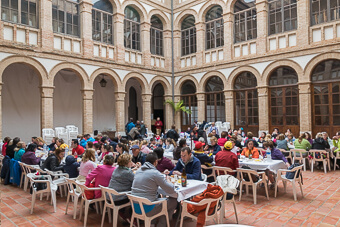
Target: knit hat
[{"x": 228, "y": 145}]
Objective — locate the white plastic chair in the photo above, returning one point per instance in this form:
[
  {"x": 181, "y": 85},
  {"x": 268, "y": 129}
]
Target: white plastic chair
[
  {"x": 142, "y": 216},
  {"x": 249, "y": 172},
  {"x": 289, "y": 155},
  {"x": 62, "y": 133},
  {"x": 86, "y": 202},
  {"x": 48, "y": 133},
  {"x": 225, "y": 170},
  {"x": 204, "y": 177},
  {"x": 122, "y": 133},
  {"x": 337, "y": 156},
  {"x": 207, "y": 203},
  {"x": 71, "y": 185},
  {"x": 301, "y": 159},
  {"x": 282, "y": 176},
  {"x": 204, "y": 167},
  {"x": 59, "y": 180},
  {"x": 325, "y": 161},
  {"x": 51, "y": 188},
  {"x": 109, "y": 204}
]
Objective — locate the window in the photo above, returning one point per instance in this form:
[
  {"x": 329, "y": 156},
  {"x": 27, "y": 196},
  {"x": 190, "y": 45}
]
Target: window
[
  {"x": 245, "y": 27},
  {"x": 326, "y": 96},
  {"x": 156, "y": 36},
  {"x": 188, "y": 31},
  {"x": 102, "y": 17},
  {"x": 65, "y": 17},
  {"x": 246, "y": 103},
  {"x": 132, "y": 29},
  {"x": 20, "y": 12},
  {"x": 282, "y": 16},
  {"x": 284, "y": 100},
  {"x": 214, "y": 100},
  {"x": 214, "y": 28},
  {"x": 188, "y": 95},
  {"x": 324, "y": 11}
]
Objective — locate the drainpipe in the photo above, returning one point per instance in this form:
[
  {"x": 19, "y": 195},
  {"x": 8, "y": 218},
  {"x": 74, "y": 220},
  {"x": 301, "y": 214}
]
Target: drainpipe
[{"x": 172, "y": 57}]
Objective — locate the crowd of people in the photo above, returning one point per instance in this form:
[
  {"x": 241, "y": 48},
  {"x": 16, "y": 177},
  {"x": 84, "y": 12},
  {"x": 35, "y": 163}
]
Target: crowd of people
[{"x": 137, "y": 165}]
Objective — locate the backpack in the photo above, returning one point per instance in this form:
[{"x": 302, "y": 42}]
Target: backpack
[
  {"x": 253, "y": 177},
  {"x": 39, "y": 186},
  {"x": 290, "y": 175}
]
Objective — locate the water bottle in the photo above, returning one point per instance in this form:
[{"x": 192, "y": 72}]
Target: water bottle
[
  {"x": 269, "y": 154},
  {"x": 96, "y": 155},
  {"x": 66, "y": 151}
]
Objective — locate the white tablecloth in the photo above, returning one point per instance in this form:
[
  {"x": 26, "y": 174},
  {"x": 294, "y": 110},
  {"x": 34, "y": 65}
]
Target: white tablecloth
[
  {"x": 193, "y": 188},
  {"x": 272, "y": 165}
]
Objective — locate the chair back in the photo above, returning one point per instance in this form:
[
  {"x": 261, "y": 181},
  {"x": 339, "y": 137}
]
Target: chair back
[
  {"x": 297, "y": 170},
  {"x": 71, "y": 186},
  {"x": 220, "y": 170},
  {"x": 300, "y": 151},
  {"x": 42, "y": 179},
  {"x": 247, "y": 172},
  {"x": 107, "y": 193},
  {"x": 47, "y": 132},
  {"x": 140, "y": 201},
  {"x": 209, "y": 203},
  {"x": 321, "y": 156}
]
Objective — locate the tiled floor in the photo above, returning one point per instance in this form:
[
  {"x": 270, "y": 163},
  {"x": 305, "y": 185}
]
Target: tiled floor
[{"x": 319, "y": 207}]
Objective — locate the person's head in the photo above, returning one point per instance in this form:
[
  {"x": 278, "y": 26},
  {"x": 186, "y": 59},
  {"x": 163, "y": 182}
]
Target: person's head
[
  {"x": 158, "y": 118},
  {"x": 213, "y": 132},
  {"x": 189, "y": 129},
  {"x": 182, "y": 142},
  {"x": 199, "y": 146},
  {"x": 213, "y": 124},
  {"x": 121, "y": 148},
  {"x": 318, "y": 135},
  {"x": 337, "y": 133},
  {"x": 89, "y": 145},
  {"x": 263, "y": 134},
  {"x": 269, "y": 145},
  {"x": 135, "y": 150},
  {"x": 307, "y": 135},
  {"x": 301, "y": 137},
  {"x": 213, "y": 141},
  {"x": 161, "y": 141},
  {"x": 250, "y": 144},
  {"x": 89, "y": 155},
  {"x": 137, "y": 122},
  {"x": 131, "y": 119},
  {"x": 276, "y": 130},
  {"x": 250, "y": 135},
  {"x": 185, "y": 154},
  {"x": 104, "y": 140},
  {"x": 109, "y": 160},
  {"x": 59, "y": 153},
  {"x": 106, "y": 148},
  {"x": 59, "y": 142},
  {"x": 40, "y": 141},
  {"x": 54, "y": 139},
  {"x": 228, "y": 146},
  {"x": 290, "y": 136},
  {"x": 224, "y": 134},
  {"x": 152, "y": 158},
  {"x": 168, "y": 141},
  {"x": 173, "y": 127},
  {"x": 32, "y": 147},
  {"x": 6, "y": 139},
  {"x": 281, "y": 137},
  {"x": 268, "y": 137},
  {"x": 325, "y": 135},
  {"x": 115, "y": 139},
  {"x": 97, "y": 146},
  {"x": 20, "y": 145},
  {"x": 233, "y": 141},
  {"x": 288, "y": 130},
  {"x": 159, "y": 151},
  {"x": 235, "y": 132},
  {"x": 16, "y": 140},
  {"x": 201, "y": 139},
  {"x": 87, "y": 136},
  {"x": 124, "y": 160},
  {"x": 144, "y": 142},
  {"x": 75, "y": 143},
  {"x": 152, "y": 141},
  {"x": 34, "y": 139}
]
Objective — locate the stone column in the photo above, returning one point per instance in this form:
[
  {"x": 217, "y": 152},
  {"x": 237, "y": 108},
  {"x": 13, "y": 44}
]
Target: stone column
[
  {"x": 229, "y": 107},
  {"x": 168, "y": 113},
  {"x": 120, "y": 111},
  {"x": 167, "y": 49},
  {"x": 86, "y": 27},
  {"x": 145, "y": 38},
  {"x": 146, "y": 99},
  {"x": 305, "y": 107},
  {"x": 302, "y": 38},
  {"x": 263, "y": 109},
  {"x": 200, "y": 36},
  {"x": 46, "y": 29},
  {"x": 118, "y": 38},
  {"x": 177, "y": 49},
  {"x": 201, "y": 107},
  {"x": 47, "y": 106},
  {"x": 88, "y": 111},
  {"x": 228, "y": 37},
  {"x": 262, "y": 26},
  {"x": 178, "y": 122}
]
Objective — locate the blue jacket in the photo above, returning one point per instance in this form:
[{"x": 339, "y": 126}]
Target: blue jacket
[
  {"x": 6, "y": 169},
  {"x": 204, "y": 158},
  {"x": 71, "y": 166},
  {"x": 192, "y": 169},
  {"x": 15, "y": 172},
  {"x": 83, "y": 142},
  {"x": 216, "y": 149},
  {"x": 130, "y": 126}
]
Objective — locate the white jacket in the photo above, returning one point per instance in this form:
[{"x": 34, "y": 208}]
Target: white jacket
[{"x": 228, "y": 183}]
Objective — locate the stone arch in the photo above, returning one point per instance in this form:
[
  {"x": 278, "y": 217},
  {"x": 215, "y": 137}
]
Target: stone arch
[
  {"x": 161, "y": 15},
  {"x": 137, "y": 6},
  {"x": 39, "y": 68},
  {"x": 306, "y": 76},
  {"x": 165, "y": 83},
  {"x": 108, "y": 72},
  {"x": 140, "y": 78},
  {"x": 230, "y": 5},
  {"x": 236, "y": 72},
  {"x": 182, "y": 80},
  {"x": 207, "y": 6},
  {"x": 182, "y": 16},
  {"x": 274, "y": 65},
  {"x": 206, "y": 78},
  {"x": 79, "y": 71}
]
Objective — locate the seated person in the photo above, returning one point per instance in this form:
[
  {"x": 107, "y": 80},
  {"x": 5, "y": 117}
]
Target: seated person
[
  {"x": 76, "y": 148},
  {"x": 53, "y": 161},
  {"x": 106, "y": 149},
  {"x": 146, "y": 183},
  {"x": 177, "y": 152},
  {"x": 226, "y": 158},
  {"x": 206, "y": 158},
  {"x": 29, "y": 157},
  {"x": 191, "y": 164},
  {"x": 19, "y": 151},
  {"x": 224, "y": 138},
  {"x": 250, "y": 149},
  {"x": 87, "y": 164},
  {"x": 138, "y": 157},
  {"x": 250, "y": 136},
  {"x": 281, "y": 142},
  {"x": 71, "y": 166},
  {"x": 163, "y": 162},
  {"x": 214, "y": 147}
]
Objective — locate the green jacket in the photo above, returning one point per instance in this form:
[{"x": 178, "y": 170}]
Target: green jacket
[
  {"x": 336, "y": 144},
  {"x": 303, "y": 145}
]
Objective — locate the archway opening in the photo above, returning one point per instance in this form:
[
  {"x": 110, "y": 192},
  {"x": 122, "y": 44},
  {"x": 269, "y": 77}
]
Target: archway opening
[
  {"x": 21, "y": 102},
  {"x": 188, "y": 95},
  {"x": 157, "y": 105},
  {"x": 67, "y": 100},
  {"x": 104, "y": 105},
  {"x": 133, "y": 100},
  {"x": 214, "y": 100}
]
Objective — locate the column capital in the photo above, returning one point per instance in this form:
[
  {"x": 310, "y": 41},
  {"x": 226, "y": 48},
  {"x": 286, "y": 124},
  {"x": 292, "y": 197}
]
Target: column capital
[
  {"x": 228, "y": 94},
  {"x": 305, "y": 88},
  {"x": 146, "y": 97},
  {"x": 87, "y": 94},
  {"x": 47, "y": 91},
  {"x": 228, "y": 17},
  {"x": 262, "y": 91}
]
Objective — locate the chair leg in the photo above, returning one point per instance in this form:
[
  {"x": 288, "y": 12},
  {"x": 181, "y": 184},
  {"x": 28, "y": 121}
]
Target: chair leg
[
  {"x": 301, "y": 189},
  {"x": 254, "y": 192},
  {"x": 33, "y": 201},
  {"x": 67, "y": 202},
  {"x": 266, "y": 188},
  {"x": 75, "y": 205},
  {"x": 285, "y": 186},
  {"x": 181, "y": 223},
  {"x": 239, "y": 199},
  {"x": 294, "y": 190},
  {"x": 168, "y": 222},
  {"x": 329, "y": 165},
  {"x": 312, "y": 166},
  {"x": 25, "y": 184},
  {"x": 103, "y": 216},
  {"x": 54, "y": 200},
  {"x": 21, "y": 180},
  {"x": 132, "y": 220},
  {"x": 86, "y": 212},
  {"x": 304, "y": 164},
  {"x": 81, "y": 208},
  {"x": 235, "y": 211},
  {"x": 247, "y": 189},
  {"x": 334, "y": 164},
  {"x": 276, "y": 183},
  {"x": 324, "y": 166},
  {"x": 97, "y": 209},
  {"x": 115, "y": 217},
  {"x": 109, "y": 214}
]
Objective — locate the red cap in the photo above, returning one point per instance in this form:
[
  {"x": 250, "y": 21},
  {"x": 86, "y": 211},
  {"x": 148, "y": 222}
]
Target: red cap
[{"x": 198, "y": 145}]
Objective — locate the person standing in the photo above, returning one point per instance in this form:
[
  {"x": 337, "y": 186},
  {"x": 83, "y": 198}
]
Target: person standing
[
  {"x": 142, "y": 130},
  {"x": 158, "y": 125}
]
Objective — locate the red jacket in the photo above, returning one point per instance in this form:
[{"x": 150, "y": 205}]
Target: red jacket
[
  {"x": 164, "y": 164},
  {"x": 226, "y": 159},
  {"x": 79, "y": 150},
  {"x": 159, "y": 124}
]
